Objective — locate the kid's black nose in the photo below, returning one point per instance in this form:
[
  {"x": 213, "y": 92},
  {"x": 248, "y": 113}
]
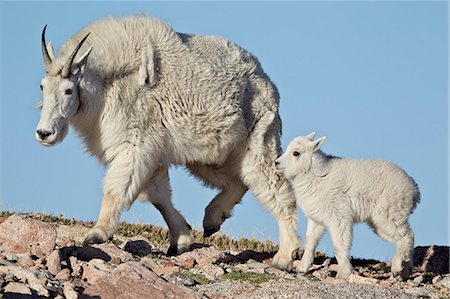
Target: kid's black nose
[{"x": 43, "y": 134}]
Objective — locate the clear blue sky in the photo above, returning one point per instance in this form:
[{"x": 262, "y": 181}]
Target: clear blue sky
[{"x": 372, "y": 76}]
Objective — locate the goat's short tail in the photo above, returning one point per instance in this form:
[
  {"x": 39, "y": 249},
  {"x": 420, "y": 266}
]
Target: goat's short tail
[{"x": 416, "y": 196}]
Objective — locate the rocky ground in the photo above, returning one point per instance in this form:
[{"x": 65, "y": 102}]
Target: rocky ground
[{"x": 42, "y": 257}]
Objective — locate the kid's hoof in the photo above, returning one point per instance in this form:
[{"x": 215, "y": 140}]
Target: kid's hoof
[{"x": 208, "y": 231}]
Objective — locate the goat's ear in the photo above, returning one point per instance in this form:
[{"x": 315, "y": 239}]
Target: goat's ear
[
  {"x": 311, "y": 135},
  {"x": 79, "y": 67},
  {"x": 316, "y": 144}
]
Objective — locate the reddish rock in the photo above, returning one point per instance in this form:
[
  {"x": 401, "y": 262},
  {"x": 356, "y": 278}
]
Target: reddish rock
[
  {"x": 75, "y": 264},
  {"x": 16, "y": 288},
  {"x": 69, "y": 291},
  {"x": 432, "y": 258},
  {"x": 114, "y": 251},
  {"x": 211, "y": 271},
  {"x": 132, "y": 280},
  {"x": 164, "y": 271},
  {"x": 94, "y": 270},
  {"x": 149, "y": 263},
  {"x": 25, "y": 260},
  {"x": 189, "y": 263},
  {"x": 203, "y": 256},
  {"x": 30, "y": 236},
  {"x": 54, "y": 262},
  {"x": 64, "y": 274}
]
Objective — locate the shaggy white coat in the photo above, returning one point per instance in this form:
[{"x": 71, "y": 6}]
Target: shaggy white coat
[
  {"x": 335, "y": 192},
  {"x": 146, "y": 97}
]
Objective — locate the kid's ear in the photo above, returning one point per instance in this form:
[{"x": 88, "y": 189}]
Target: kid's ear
[
  {"x": 79, "y": 67},
  {"x": 311, "y": 135},
  {"x": 316, "y": 144}
]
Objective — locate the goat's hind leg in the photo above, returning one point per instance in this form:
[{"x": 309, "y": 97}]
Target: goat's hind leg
[
  {"x": 232, "y": 190},
  {"x": 400, "y": 234}
]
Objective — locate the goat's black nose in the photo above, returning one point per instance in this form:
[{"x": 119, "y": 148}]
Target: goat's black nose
[{"x": 43, "y": 134}]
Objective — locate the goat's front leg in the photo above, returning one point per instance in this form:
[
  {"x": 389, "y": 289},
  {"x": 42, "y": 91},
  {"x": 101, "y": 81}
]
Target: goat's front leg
[
  {"x": 314, "y": 232},
  {"x": 159, "y": 194},
  {"x": 125, "y": 179}
]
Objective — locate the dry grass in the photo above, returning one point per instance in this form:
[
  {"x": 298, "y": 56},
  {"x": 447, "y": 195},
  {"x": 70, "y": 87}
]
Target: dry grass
[{"x": 160, "y": 235}]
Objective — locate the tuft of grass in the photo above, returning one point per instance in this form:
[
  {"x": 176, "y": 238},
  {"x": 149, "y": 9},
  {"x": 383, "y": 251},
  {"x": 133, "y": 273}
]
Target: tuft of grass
[
  {"x": 159, "y": 235},
  {"x": 5, "y": 213},
  {"x": 198, "y": 278},
  {"x": 54, "y": 219},
  {"x": 249, "y": 276},
  {"x": 116, "y": 242}
]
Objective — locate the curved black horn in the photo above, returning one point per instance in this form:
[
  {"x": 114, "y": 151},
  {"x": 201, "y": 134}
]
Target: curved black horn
[
  {"x": 65, "y": 72},
  {"x": 47, "y": 59}
]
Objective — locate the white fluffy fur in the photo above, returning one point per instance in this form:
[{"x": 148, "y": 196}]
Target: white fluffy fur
[
  {"x": 148, "y": 97},
  {"x": 335, "y": 192}
]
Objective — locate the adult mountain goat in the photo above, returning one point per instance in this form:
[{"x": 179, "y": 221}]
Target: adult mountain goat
[
  {"x": 143, "y": 97},
  {"x": 335, "y": 192}
]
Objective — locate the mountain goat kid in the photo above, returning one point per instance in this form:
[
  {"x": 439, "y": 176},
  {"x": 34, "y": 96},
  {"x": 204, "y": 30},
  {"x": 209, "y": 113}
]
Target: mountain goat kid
[
  {"x": 143, "y": 97},
  {"x": 335, "y": 192}
]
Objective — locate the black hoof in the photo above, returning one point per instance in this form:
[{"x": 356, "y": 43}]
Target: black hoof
[
  {"x": 93, "y": 239},
  {"x": 172, "y": 250},
  {"x": 210, "y": 230}
]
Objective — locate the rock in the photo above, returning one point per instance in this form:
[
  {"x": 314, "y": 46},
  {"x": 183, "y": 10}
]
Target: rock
[
  {"x": 94, "y": 270},
  {"x": 69, "y": 235},
  {"x": 165, "y": 271},
  {"x": 321, "y": 273},
  {"x": 64, "y": 274},
  {"x": 279, "y": 273},
  {"x": 17, "y": 288},
  {"x": 115, "y": 261},
  {"x": 432, "y": 258},
  {"x": 436, "y": 279},
  {"x": 189, "y": 263},
  {"x": 138, "y": 247},
  {"x": 30, "y": 236},
  {"x": 211, "y": 271},
  {"x": 379, "y": 266},
  {"x": 10, "y": 257},
  {"x": 132, "y": 280},
  {"x": 179, "y": 278},
  {"x": 418, "y": 279},
  {"x": 149, "y": 263},
  {"x": 413, "y": 283},
  {"x": 326, "y": 263},
  {"x": 25, "y": 260},
  {"x": 257, "y": 265},
  {"x": 75, "y": 265},
  {"x": 445, "y": 282},
  {"x": 35, "y": 279},
  {"x": 203, "y": 256},
  {"x": 69, "y": 291},
  {"x": 353, "y": 278},
  {"x": 333, "y": 267},
  {"x": 54, "y": 262}
]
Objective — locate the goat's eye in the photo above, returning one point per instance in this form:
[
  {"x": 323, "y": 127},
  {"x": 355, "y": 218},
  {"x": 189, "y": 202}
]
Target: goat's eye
[
  {"x": 42, "y": 88},
  {"x": 296, "y": 154},
  {"x": 68, "y": 91}
]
